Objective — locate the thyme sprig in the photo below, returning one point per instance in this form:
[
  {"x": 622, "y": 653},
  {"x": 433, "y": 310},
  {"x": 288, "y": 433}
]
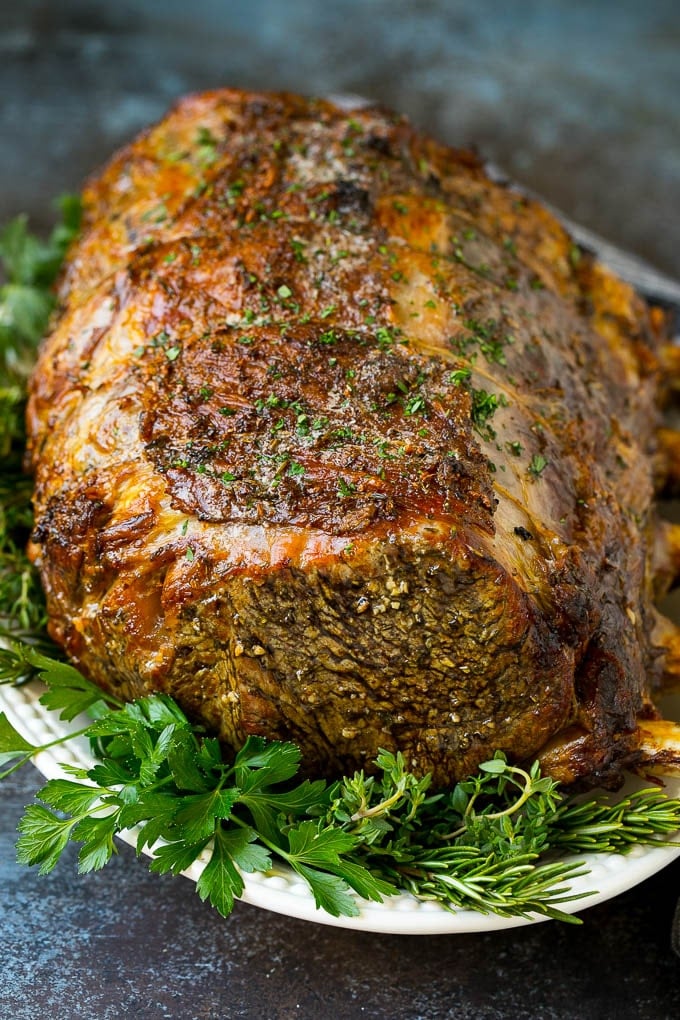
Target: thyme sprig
[{"x": 491, "y": 844}]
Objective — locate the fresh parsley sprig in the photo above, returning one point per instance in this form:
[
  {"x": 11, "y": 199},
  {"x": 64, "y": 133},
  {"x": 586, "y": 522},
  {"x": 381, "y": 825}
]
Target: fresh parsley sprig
[{"x": 161, "y": 775}]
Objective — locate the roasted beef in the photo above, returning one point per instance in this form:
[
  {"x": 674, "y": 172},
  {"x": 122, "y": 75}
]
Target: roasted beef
[{"x": 336, "y": 440}]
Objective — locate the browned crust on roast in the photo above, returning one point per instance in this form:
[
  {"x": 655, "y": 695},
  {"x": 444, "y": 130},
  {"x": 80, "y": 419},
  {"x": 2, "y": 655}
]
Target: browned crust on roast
[{"x": 264, "y": 478}]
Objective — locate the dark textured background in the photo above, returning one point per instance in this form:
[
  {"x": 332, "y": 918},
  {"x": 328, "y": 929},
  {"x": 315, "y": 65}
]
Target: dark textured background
[
  {"x": 578, "y": 98},
  {"x": 581, "y": 101}
]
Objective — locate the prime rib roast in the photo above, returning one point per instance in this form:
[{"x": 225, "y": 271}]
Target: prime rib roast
[{"x": 336, "y": 440}]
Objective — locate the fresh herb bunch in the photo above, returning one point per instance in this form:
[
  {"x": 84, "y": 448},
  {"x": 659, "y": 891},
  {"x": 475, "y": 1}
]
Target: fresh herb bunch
[
  {"x": 478, "y": 846},
  {"x": 29, "y": 268},
  {"x": 481, "y": 846}
]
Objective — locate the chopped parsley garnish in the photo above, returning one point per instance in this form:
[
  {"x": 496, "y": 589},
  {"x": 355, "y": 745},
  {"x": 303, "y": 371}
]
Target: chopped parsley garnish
[
  {"x": 484, "y": 406},
  {"x": 298, "y": 249},
  {"x": 157, "y": 214},
  {"x": 386, "y": 338},
  {"x": 487, "y": 337},
  {"x": 460, "y": 376},
  {"x": 346, "y": 488},
  {"x": 537, "y": 465},
  {"x": 206, "y": 146},
  {"x": 415, "y": 405}
]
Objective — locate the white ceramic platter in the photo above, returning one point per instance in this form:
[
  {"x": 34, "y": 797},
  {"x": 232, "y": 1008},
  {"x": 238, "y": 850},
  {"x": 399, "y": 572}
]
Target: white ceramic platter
[{"x": 282, "y": 891}]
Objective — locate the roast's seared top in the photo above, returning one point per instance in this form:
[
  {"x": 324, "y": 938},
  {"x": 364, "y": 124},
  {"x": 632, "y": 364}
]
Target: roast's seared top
[{"x": 332, "y": 320}]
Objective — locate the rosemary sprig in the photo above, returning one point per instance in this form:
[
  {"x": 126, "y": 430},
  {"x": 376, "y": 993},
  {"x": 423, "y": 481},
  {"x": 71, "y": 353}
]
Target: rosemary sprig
[
  {"x": 484, "y": 844},
  {"x": 490, "y": 844}
]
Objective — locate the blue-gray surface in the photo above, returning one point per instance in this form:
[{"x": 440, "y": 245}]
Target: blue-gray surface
[
  {"x": 127, "y": 943},
  {"x": 580, "y": 100}
]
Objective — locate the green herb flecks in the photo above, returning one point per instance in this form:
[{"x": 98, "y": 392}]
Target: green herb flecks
[
  {"x": 537, "y": 465},
  {"x": 484, "y": 406},
  {"x": 460, "y": 377},
  {"x": 206, "y": 146},
  {"x": 486, "y": 338},
  {"x": 346, "y": 488},
  {"x": 415, "y": 404}
]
